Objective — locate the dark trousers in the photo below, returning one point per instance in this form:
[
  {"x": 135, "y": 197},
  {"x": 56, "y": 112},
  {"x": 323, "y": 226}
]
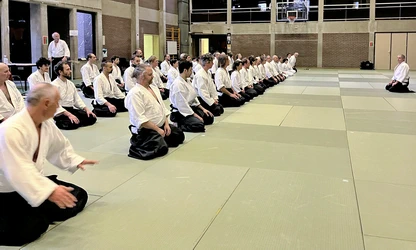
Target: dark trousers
[
  {"x": 87, "y": 91},
  {"x": 103, "y": 111},
  {"x": 215, "y": 109},
  {"x": 251, "y": 92},
  {"x": 246, "y": 96},
  {"x": 63, "y": 122},
  {"x": 190, "y": 123},
  {"x": 148, "y": 144},
  {"x": 258, "y": 88},
  {"x": 55, "y": 61},
  {"x": 295, "y": 69},
  {"x": 21, "y": 223},
  {"x": 398, "y": 87},
  {"x": 165, "y": 94},
  {"x": 227, "y": 101}
]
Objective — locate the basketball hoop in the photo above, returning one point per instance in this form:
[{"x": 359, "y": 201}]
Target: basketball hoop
[{"x": 291, "y": 19}]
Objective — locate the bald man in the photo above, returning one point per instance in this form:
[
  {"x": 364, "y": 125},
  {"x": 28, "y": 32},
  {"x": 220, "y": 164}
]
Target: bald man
[
  {"x": 11, "y": 101},
  {"x": 400, "y": 80},
  {"x": 57, "y": 51},
  {"x": 31, "y": 201}
]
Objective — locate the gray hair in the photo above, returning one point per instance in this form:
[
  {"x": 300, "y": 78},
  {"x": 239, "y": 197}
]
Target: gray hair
[
  {"x": 152, "y": 59},
  {"x": 206, "y": 58},
  {"x": 40, "y": 91},
  {"x": 138, "y": 71},
  {"x": 403, "y": 56}
]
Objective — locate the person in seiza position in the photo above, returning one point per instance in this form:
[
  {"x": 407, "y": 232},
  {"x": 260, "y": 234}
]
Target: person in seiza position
[
  {"x": 151, "y": 132},
  {"x": 72, "y": 113},
  {"x": 31, "y": 201},
  {"x": 187, "y": 112},
  {"x": 40, "y": 75},
  {"x": 400, "y": 80},
  {"x": 89, "y": 72}
]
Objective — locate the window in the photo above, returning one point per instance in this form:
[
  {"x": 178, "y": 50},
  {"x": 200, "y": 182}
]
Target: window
[{"x": 86, "y": 33}]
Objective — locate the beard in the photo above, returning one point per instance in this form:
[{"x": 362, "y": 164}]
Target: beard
[
  {"x": 111, "y": 71},
  {"x": 67, "y": 77}
]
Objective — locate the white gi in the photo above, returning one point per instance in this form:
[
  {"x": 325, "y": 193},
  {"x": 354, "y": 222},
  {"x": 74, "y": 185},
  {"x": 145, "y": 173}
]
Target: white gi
[
  {"x": 183, "y": 96},
  {"x": 222, "y": 79},
  {"x": 69, "y": 95},
  {"x": 117, "y": 73},
  {"x": 401, "y": 73},
  {"x": 287, "y": 68},
  {"x": 6, "y": 108},
  {"x": 269, "y": 70},
  {"x": 245, "y": 78},
  {"x": 59, "y": 49},
  {"x": 143, "y": 107},
  {"x": 214, "y": 67},
  {"x": 129, "y": 81},
  {"x": 205, "y": 87},
  {"x": 19, "y": 141},
  {"x": 36, "y": 77},
  {"x": 164, "y": 67},
  {"x": 172, "y": 75},
  {"x": 106, "y": 88},
  {"x": 89, "y": 72},
  {"x": 156, "y": 79},
  {"x": 292, "y": 61},
  {"x": 236, "y": 81},
  {"x": 280, "y": 67}
]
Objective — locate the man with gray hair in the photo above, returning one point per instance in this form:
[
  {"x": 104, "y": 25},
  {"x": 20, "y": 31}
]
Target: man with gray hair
[
  {"x": 151, "y": 132},
  {"x": 400, "y": 80},
  {"x": 205, "y": 86},
  {"x": 292, "y": 61},
  {"x": 31, "y": 201},
  {"x": 57, "y": 51}
]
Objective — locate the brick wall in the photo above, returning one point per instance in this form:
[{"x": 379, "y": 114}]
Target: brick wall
[
  {"x": 250, "y": 44},
  {"x": 117, "y": 36},
  {"x": 150, "y": 4},
  {"x": 305, "y": 44},
  {"x": 344, "y": 50}
]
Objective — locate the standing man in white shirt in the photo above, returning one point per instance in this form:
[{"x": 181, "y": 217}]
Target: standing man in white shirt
[
  {"x": 89, "y": 72},
  {"x": 165, "y": 65},
  {"x": 30, "y": 201},
  {"x": 57, "y": 51},
  {"x": 400, "y": 80},
  {"x": 73, "y": 113},
  {"x": 40, "y": 75}
]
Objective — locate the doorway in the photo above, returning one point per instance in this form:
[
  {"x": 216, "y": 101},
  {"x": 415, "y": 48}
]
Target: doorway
[
  {"x": 211, "y": 42},
  {"x": 389, "y": 45},
  {"x": 151, "y": 46}
]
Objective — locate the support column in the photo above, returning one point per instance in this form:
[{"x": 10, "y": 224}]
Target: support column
[
  {"x": 5, "y": 37},
  {"x": 229, "y": 14},
  {"x": 273, "y": 16},
  {"x": 99, "y": 34},
  {"x": 74, "y": 39},
  {"x": 162, "y": 28},
  {"x": 320, "y": 33},
  {"x": 372, "y": 29},
  {"x": 135, "y": 29},
  {"x": 183, "y": 14},
  {"x": 39, "y": 29}
]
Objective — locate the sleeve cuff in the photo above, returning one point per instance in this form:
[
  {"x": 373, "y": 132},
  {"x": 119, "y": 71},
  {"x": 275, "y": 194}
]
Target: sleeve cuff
[{"x": 74, "y": 163}]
